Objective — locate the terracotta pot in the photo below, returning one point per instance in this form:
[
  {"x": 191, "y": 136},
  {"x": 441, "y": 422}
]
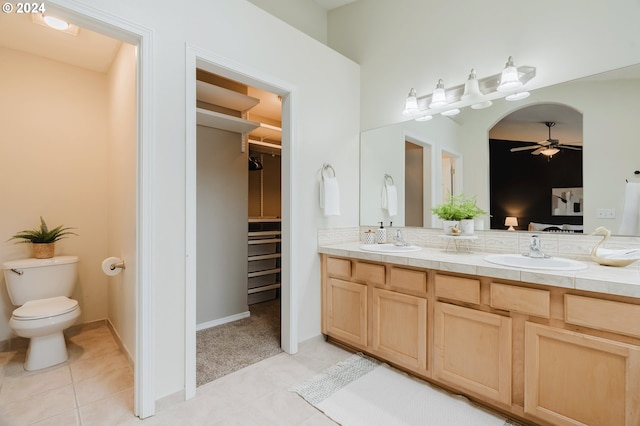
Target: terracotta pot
[{"x": 43, "y": 250}]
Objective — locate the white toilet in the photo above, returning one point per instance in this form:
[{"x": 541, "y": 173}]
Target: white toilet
[{"x": 42, "y": 287}]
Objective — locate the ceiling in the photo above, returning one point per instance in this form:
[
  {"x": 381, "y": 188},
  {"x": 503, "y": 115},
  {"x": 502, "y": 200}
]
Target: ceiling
[
  {"x": 332, "y": 4},
  {"x": 87, "y": 49}
]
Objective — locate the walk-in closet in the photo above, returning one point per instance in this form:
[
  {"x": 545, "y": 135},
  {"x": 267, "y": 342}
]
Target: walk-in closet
[{"x": 239, "y": 226}]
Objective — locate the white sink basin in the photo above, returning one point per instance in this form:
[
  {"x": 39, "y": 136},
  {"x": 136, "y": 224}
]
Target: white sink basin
[
  {"x": 389, "y": 248},
  {"x": 550, "y": 263}
]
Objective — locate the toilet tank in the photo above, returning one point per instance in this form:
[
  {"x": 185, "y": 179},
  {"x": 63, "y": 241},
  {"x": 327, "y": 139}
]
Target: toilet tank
[{"x": 30, "y": 279}]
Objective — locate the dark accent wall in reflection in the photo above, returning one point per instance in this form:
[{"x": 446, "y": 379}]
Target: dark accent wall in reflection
[{"x": 520, "y": 183}]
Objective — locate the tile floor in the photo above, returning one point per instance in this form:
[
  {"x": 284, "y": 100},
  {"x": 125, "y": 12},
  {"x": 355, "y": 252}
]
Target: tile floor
[{"x": 95, "y": 387}]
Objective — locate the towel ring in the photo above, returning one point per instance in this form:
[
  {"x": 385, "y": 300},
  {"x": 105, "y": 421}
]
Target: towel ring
[
  {"x": 388, "y": 180},
  {"x": 636, "y": 172},
  {"x": 327, "y": 167}
]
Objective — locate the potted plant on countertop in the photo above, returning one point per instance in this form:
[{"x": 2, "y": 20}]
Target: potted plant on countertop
[
  {"x": 458, "y": 214},
  {"x": 43, "y": 239}
]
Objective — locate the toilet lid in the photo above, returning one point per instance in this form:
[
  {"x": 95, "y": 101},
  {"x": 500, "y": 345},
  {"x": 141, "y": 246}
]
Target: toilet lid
[{"x": 43, "y": 308}]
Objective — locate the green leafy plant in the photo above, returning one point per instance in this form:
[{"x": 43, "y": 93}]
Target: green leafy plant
[
  {"x": 43, "y": 234},
  {"x": 458, "y": 207}
]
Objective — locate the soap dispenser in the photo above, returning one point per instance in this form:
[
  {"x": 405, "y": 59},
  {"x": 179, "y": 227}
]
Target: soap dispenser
[{"x": 382, "y": 234}]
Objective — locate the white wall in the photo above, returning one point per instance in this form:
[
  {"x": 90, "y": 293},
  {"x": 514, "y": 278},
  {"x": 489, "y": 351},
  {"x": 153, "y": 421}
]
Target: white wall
[
  {"x": 326, "y": 114},
  {"x": 413, "y": 43},
  {"x": 305, "y": 15},
  {"x": 121, "y": 189},
  {"x": 222, "y": 198},
  {"x": 53, "y": 164}
]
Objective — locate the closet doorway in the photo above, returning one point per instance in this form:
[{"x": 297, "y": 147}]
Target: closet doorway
[{"x": 239, "y": 225}]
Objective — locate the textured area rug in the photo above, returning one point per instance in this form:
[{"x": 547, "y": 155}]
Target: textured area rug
[
  {"x": 226, "y": 348},
  {"x": 361, "y": 391}
]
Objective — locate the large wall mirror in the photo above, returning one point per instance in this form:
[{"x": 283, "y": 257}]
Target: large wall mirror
[{"x": 608, "y": 104}]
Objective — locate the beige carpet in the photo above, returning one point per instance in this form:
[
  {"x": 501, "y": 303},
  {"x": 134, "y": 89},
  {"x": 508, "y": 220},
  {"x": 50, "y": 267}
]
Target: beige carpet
[
  {"x": 360, "y": 391},
  {"x": 229, "y": 347}
]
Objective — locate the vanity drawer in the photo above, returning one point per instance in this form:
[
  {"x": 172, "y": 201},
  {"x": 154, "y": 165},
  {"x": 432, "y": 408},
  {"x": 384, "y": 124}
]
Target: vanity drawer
[
  {"x": 408, "y": 280},
  {"x": 457, "y": 288},
  {"x": 370, "y": 272},
  {"x": 339, "y": 267},
  {"x": 618, "y": 317},
  {"x": 524, "y": 300}
]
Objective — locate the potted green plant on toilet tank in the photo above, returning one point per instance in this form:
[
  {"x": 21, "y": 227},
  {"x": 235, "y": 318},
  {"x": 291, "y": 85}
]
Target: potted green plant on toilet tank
[{"x": 43, "y": 239}]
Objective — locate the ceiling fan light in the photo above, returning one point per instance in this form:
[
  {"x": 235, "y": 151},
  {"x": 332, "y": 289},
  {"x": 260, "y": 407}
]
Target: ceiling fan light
[
  {"x": 411, "y": 104},
  {"x": 549, "y": 152},
  {"x": 517, "y": 96},
  {"x": 509, "y": 79},
  {"x": 438, "y": 98}
]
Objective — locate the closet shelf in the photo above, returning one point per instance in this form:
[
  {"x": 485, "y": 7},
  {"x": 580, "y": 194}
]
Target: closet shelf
[
  {"x": 261, "y": 273},
  {"x": 263, "y": 288},
  {"x": 269, "y": 240},
  {"x": 220, "y": 96},
  {"x": 264, "y": 233},
  {"x": 264, "y": 257},
  {"x": 223, "y": 121},
  {"x": 265, "y": 219}
]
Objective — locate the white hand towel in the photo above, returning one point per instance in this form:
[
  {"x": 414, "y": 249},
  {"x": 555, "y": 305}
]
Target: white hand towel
[
  {"x": 330, "y": 196},
  {"x": 390, "y": 199},
  {"x": 630, "y": 223}
]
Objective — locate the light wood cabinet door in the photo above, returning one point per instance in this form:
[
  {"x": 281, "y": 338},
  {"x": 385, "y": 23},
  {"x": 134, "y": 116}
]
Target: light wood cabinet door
[
  {"x": 473, "y": 351},
  {"x": 576, "y": 379},
  {"x": 346, "y": 310},
  {"x": 400, "y": 328}
]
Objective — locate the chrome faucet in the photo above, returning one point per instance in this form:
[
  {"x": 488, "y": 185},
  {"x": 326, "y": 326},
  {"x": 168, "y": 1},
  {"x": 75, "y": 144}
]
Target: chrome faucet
[
  {"x": 399, "y": 239},
  {"x": 534, "y": 248}
]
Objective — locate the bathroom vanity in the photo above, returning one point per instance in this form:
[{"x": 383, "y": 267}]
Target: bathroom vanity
[{"x": 537, "y": 345}]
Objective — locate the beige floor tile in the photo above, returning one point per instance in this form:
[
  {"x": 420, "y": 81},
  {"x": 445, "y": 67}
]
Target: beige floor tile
[
  {"x": 318, "y": 419},
  {"x": 85, "y": 368},
  {"x": 68, "y": 418},
  {"x": 16, "y": 388},
  {"x": 114, "y": 410},
  {"x": 40, "y": 407},
  {"x": 271, "y": 407},
  {"x": 103, "y": 385}
]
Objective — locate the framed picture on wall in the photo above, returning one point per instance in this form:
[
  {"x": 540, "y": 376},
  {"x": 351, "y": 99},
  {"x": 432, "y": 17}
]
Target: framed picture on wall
[{"x": 567, "y": 201}]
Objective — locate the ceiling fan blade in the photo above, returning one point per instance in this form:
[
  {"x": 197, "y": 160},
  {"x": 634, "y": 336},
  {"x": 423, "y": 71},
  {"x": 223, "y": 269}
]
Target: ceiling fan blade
[
  {"x": 525, "y": 148},
  {"x": 575, "y": 148},
  {"x": 538, "y": 151},
  {"x": 545, "y": 142}
]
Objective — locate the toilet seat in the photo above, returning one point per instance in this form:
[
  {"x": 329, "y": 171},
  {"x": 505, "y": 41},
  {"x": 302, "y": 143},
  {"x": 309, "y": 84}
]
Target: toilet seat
[{"x": 45, "y": 308}]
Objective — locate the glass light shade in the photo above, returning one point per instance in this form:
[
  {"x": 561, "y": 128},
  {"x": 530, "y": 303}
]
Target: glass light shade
[
  {"x": 424, "y": 117},
  {"x": 56, "y": 23},
  {"x": 517, "y": 96},
  {"x": 411, "y": 104},
  {"x": 438, "y": 98},
  {"x": 509, "y": 79},
  {"x": 549, "y": 151},
  {"x": 451, "y": 112},
  {"x": 471, "y": 88}
]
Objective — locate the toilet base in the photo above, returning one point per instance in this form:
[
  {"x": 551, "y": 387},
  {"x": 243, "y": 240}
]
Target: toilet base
[{"x": 45, "y": 351}]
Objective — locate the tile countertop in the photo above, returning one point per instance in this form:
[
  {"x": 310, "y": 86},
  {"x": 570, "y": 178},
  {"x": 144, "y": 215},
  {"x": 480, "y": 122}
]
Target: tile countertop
[{"x": 624, "y": 281}]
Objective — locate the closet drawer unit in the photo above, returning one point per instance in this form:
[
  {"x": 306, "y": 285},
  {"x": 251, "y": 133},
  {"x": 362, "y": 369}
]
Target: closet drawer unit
[
  {"x": 457, "y": 288},
  {"x": 606, "y": 315},
  {"x": 408, "y": 281},
  {"x": 524, "y": 300},
  {"x": 256, "y": 249},
  {"x": 370, "y": 273},
  {"x": 338, "y": 267}
]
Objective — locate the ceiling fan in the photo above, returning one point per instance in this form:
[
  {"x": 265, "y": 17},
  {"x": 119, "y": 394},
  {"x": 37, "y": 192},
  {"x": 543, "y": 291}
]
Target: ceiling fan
[{"x": 547, "y": 147}]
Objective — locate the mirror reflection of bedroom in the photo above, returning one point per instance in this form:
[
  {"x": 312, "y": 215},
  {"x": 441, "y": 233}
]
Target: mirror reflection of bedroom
[
  {"x": 239, "y": 226},
  {"x": 535, "y": 160}
]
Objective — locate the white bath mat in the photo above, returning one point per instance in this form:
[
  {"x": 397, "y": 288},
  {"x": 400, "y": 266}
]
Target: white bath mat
[{"x": 360, "y": 391}]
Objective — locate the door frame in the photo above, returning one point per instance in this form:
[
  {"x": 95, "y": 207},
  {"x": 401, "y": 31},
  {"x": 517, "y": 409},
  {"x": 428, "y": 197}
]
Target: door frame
[
  {"x": 200, "y": 58},
  {"x": 116, "y": 27}
]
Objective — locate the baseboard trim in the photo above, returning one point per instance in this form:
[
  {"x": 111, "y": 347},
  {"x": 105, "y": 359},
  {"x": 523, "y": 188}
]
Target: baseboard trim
[{"x": 231, "y": 318}]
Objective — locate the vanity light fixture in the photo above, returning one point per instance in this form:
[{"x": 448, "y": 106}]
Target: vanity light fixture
[
  {"x": 472, "y": 93},
  {"x": 511, "y": 221},
  {"x": 476, "y": 93},
  {"x": 509, "y": 79},
  {"x": 411, "y": 104},
  {"x": 439, "y": 97}
]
